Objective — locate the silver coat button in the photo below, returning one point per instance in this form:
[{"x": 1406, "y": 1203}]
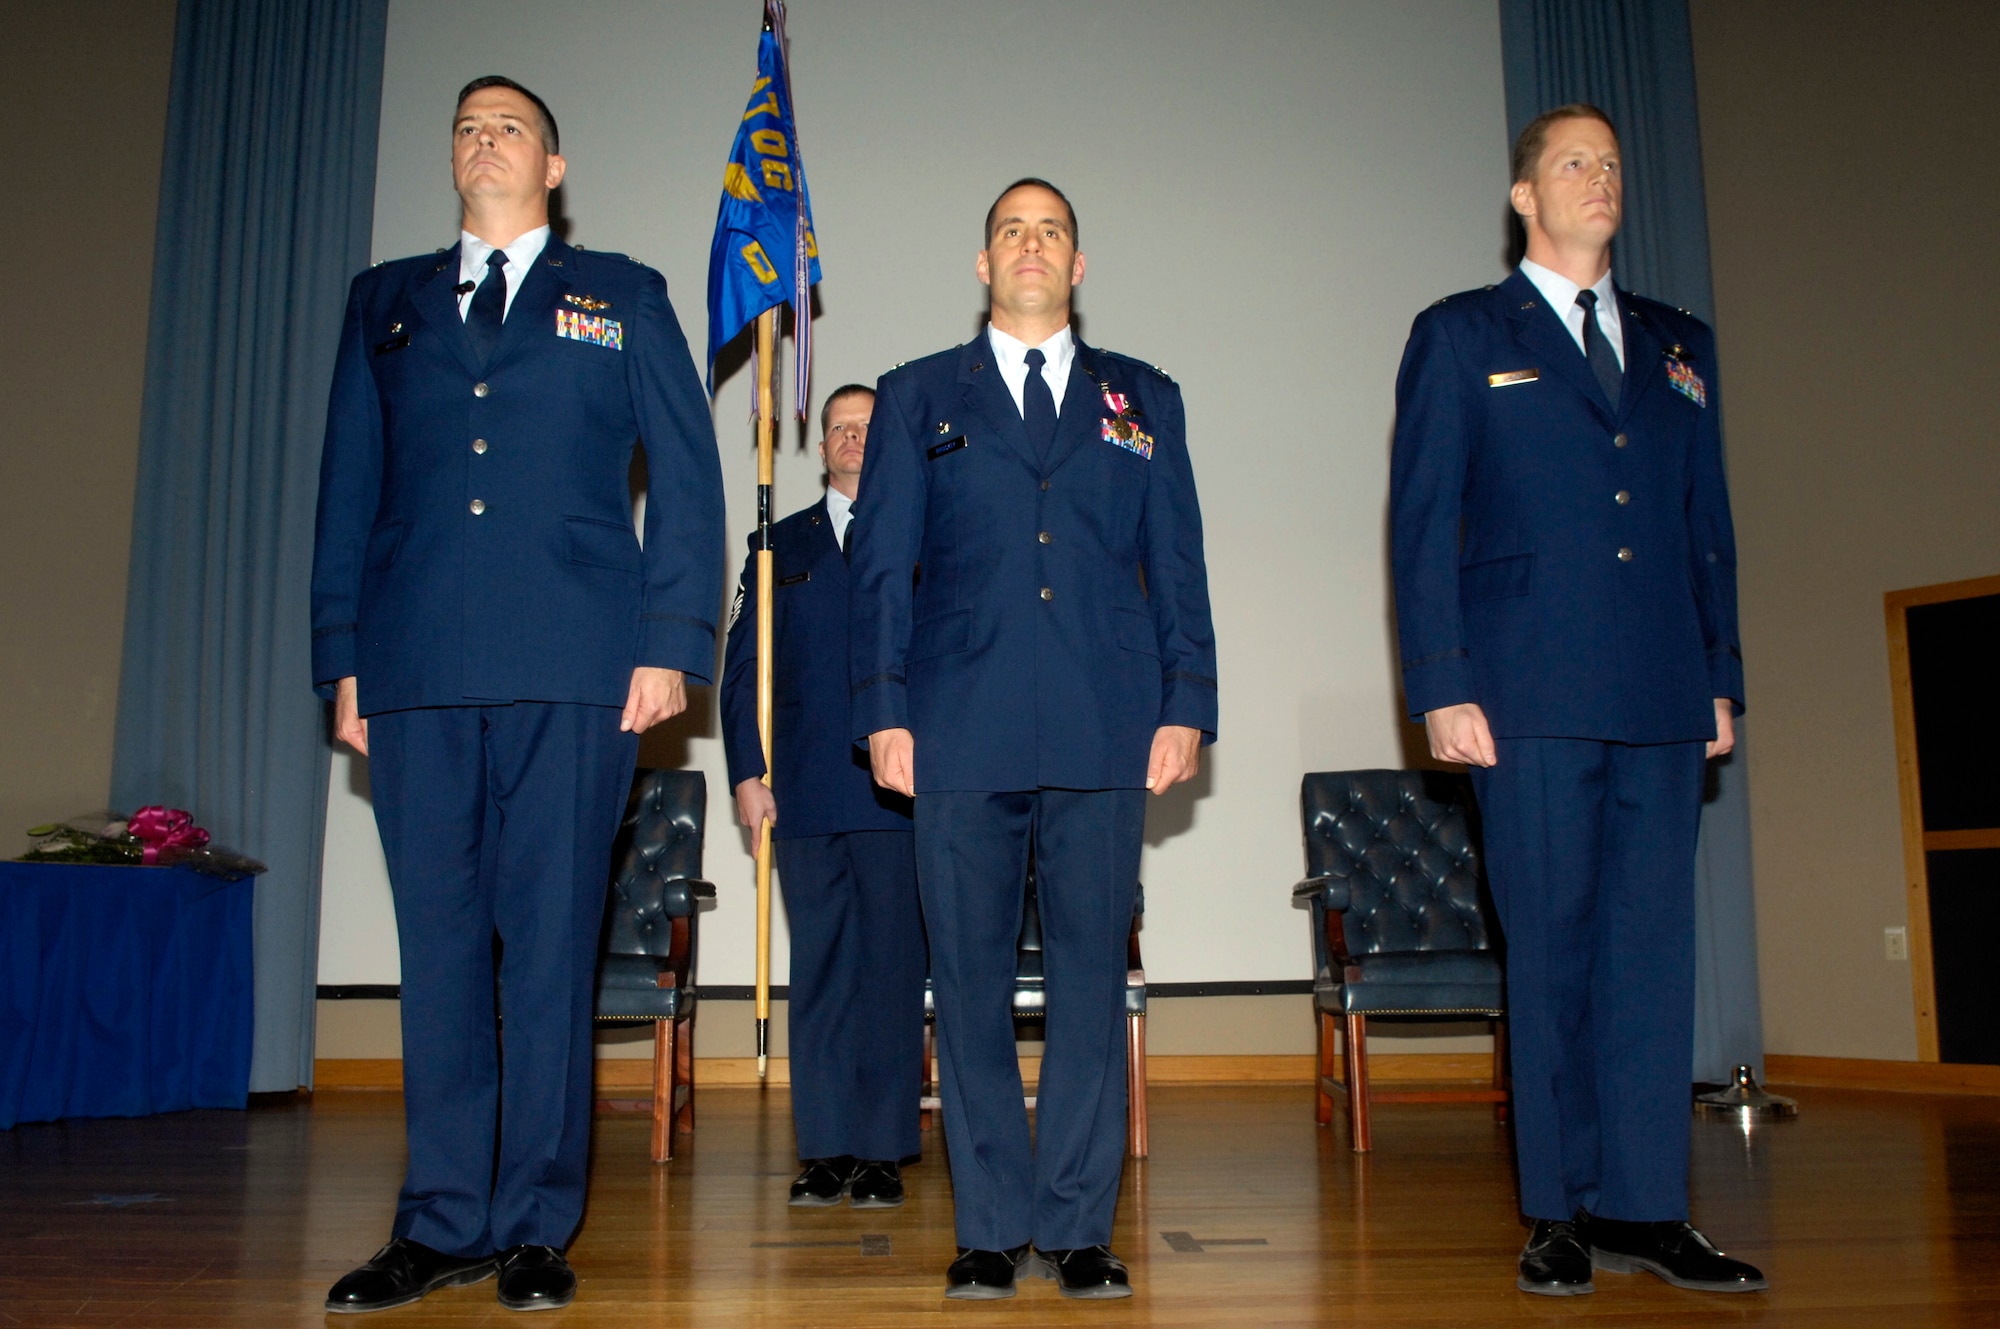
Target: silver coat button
[
  {"x": 1622, "y": 497},
  {"x": 1617, "y": 442},
  {"x": 480, "y": 390},
  {"x": 1046, "y": 538},
  {"x": 1624, "y": 556},
  {"x": 479, "y": 445},
  {"x": 479, "y": 506},
  {"x": 1048, "y": 594}
]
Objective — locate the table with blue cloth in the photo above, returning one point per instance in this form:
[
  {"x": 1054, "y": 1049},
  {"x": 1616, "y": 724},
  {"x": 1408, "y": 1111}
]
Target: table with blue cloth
[{"x": 124, "y": 991}]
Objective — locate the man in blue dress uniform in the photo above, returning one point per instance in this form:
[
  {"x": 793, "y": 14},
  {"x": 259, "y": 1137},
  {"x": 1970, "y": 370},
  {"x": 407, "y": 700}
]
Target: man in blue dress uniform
[
  {"x": 844, "y": 849},
  {"x": 1566, "y": 597},
  {"x": 1053, "y": 660},
  {"x": 494, "y": 636}
]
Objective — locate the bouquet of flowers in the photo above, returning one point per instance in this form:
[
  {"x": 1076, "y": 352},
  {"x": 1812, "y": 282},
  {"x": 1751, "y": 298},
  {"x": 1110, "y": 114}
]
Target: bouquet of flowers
[{"x": 153, "y": 836}]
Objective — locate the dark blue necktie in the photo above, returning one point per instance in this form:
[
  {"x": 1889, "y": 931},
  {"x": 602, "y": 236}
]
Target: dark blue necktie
[
  {"x": 489, "y": 307},
  {"x": 1597, "y": 350},
  {"x": 1038, "y": 408}
]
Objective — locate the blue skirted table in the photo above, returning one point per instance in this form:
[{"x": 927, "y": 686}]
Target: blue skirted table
[{"x": 124, "y": 991}]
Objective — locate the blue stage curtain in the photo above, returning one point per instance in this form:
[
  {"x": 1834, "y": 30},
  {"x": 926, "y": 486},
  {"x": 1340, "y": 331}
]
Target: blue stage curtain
[
  {"x": 1635, "y": 60},
  {"x": 267, "y": 198}
]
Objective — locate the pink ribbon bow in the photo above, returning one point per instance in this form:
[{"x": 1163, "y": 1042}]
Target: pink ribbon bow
[{"x": 161, "y": 828}]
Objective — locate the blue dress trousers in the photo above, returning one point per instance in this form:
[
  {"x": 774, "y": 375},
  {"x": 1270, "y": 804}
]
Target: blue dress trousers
[
  {"x": 1567, "y": 562},
  {"x": 477, "y": 571}
]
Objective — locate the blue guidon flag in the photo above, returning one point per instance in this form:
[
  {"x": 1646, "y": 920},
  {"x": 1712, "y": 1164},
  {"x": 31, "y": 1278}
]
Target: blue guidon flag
[{"x": 764, "y": 253}]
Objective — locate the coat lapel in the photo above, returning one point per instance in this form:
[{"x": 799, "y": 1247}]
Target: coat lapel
[
  {"x": 826, "y": 551},
  {"x": 985, "y": 392},
  {"x": 437, "y": 302},
  {"x": 1645, "y": 357},
  {"x": 1545, "y": 336},
  {"x": 1080, "y": 419},
  {"x": 533, "y": 311}
]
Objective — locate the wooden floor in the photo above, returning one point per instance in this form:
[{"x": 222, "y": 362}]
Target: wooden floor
[{"x": 1871, "y": 1209}]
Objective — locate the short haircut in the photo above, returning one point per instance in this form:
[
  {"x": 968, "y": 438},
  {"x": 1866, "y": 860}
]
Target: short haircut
[
  {"x": 844, "y": 390},
  {"x": 1035, "y": 180},
  {"x": 1528, "y": 147},
  {"x": 551, "y": 140}
]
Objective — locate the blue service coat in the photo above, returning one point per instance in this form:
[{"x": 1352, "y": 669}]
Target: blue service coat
[
  {"x": 1569, "y": 566},
  {"x": 820, "y": 779},
  {"x": 475, "y": 539},
  {"x": 1060, "y": 612}
]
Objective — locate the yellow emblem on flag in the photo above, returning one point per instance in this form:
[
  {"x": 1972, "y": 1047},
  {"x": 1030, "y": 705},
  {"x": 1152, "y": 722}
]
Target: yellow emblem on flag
[{"x": 737, "y": 184}]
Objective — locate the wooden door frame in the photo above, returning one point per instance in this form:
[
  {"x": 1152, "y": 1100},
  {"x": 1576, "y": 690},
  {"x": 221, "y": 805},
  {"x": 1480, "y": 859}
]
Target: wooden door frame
[{"x": 1916, "y": 868}]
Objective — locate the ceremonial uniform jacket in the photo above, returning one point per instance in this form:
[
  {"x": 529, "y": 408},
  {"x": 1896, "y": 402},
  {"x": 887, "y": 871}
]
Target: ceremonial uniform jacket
[
  {"x": 1568, "y": 565},
  {"x": 475, "y": 539},
  {"x": 820, "y": 778},
  {"x": 1059, "y": 612}
]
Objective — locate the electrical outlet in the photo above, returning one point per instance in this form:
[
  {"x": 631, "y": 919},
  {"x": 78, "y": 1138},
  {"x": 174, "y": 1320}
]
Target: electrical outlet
[{"x": 1895, "y": 944}]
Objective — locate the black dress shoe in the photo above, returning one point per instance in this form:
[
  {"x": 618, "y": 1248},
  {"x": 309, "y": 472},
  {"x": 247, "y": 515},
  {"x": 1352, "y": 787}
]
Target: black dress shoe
[
  {"x": 402, "y": 1272},
  {"x": 822, "y": 1181},
  {"x": 1090, "y": 1272},
  {"x": 535, "y": 1278},
  {"x": 1673, "y": 1250},
  {"x": 876, "y": 1185},
  {"x": 984, "y": 1275},
  {"x": 1554, "y": 1263}
]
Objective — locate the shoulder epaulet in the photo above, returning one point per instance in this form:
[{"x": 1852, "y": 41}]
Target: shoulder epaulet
[
  {"x": 609, "y": 253},
  {"x": 1161, "y": 372}
]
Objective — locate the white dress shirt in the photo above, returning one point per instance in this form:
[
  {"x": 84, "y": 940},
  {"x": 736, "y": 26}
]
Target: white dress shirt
[
  {"x": 472, "y": 254},
  {"x": 1561, "y": 294},
  {"x": 1012, "y": 353},
  {"x": 839, "y": 511}
]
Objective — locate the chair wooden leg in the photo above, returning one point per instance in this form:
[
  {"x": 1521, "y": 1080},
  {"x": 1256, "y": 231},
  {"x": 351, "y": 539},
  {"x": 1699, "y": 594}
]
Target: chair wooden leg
[
  {"x": 1503, "y": 1080},
  {"x": 924, "y": 1090},
  {"x": 684, "y": 1077},
  {"x": 1323, "y": 1104},
  {"x": 1135, "y": 1093},
  {"x": 663, "y": 1089},
  {"x": 1357, "y": 1083}
]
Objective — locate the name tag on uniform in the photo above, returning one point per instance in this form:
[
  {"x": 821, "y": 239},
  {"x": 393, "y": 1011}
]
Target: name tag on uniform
[
  {"x": 949, "y": 445},
  {"x": 593, "y": 329},
  {"x": 1511, "y": 377},
  {"x": 795, "y": 579}
]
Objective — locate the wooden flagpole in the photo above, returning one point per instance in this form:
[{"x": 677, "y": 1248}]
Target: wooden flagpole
[{"x": 767, "y": 369}]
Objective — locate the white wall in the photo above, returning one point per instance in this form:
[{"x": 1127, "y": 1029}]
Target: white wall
[{"x": 1267, "y": 193}]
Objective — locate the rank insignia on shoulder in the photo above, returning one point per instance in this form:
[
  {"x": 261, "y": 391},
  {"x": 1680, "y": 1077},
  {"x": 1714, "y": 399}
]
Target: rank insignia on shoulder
[
  {"x": 591, "y": 329},
  {"x": 1681, "y": 375},
  {"x": 1511, "y": 377},
  {"x": 587, "y": 302}
]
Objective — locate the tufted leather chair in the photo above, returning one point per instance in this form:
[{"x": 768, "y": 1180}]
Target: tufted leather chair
[
  {"x": 647, "y": 969},
  {"x": 1031, "y": 1005},
  {"x": 1401, "y": 921}
]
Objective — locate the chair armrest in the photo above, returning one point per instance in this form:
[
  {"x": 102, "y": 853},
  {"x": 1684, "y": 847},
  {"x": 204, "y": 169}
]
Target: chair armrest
[
  {"x": 678, "y": 895},
  {"x": 1332, "y": 892}
]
